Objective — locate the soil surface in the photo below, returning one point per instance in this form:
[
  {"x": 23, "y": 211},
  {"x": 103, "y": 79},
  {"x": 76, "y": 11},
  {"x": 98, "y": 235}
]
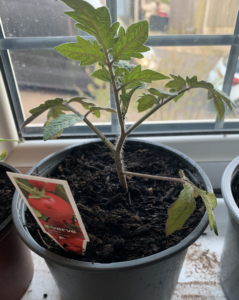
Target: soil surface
[
  {"x": 6, "y": 194},
  {"x": 122, "y": 227}
]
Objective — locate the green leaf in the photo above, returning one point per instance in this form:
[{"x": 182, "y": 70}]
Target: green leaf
[
  {"x": 102, "y": 74},
  {"x": 96, "y": 108},
  {"x": 62, "y": 122},
  {"x": 161, "y": 94},
  {"x": 131, "y": 43},
  {"x": 85, "y": 104},
  {"x": 180, "y": 210},
  {"x": 178, "y": 83},
  {"x": 120, "y": 71},
  {"x": 125, "y": 99},
  {"x": 209, "y": 199},
  {"x": 145, "y": 102},
  {"x": 178, "y": 97},
  {"x": 193, "y": 82},
  {"x": 55, "y": 112},
  {"x": 210, "y": 202},
  {"x": 218, "y": 104},
  {"x": 37, "y": 111},
  {"x": 137, "y": 75},
  {"x": 96, "y": 22},
  {"x": 45, "y": 106},
  {"x": 83, "y": 51},
  {"x": 3, "y": 155},
  {"x": 225, "y": 97}
]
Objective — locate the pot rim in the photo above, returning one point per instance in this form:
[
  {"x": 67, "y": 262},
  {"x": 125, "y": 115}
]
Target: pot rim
[
  {"x": 18, "y": 208},
  {"x": 226, "y": 181},
  {"x": 8, "y": 220}
]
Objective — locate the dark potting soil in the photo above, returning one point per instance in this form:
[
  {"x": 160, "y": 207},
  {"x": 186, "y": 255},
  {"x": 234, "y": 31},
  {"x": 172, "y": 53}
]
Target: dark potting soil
[
  {"x": 122, "y": 227},
  {"x": 6, "y": 194}
]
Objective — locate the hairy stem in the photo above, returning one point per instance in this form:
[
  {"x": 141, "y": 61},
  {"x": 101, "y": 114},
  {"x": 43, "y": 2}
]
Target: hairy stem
[
  {"x": 153, "y": 110},
  {"x": 100, "y": 135},
  {"x": 118, "y": 151},
  {"x": 116, "y": 95},
  {"x": 120, "y": 170}
]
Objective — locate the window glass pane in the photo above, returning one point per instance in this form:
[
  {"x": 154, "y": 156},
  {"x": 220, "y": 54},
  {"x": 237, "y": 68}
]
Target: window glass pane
[
  {"x": 182, "y": 17},
  {"x": 32, "y": 18},
  {"x": 45, "y": 74},
  {"x": 184, "y": 61}
]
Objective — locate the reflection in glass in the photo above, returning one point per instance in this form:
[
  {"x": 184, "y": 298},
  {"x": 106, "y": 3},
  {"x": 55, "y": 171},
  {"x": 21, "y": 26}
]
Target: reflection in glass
[{"x": 184, "y": 16}]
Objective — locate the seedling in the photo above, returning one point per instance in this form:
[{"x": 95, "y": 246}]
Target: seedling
[{"x": 112, "y": 47}]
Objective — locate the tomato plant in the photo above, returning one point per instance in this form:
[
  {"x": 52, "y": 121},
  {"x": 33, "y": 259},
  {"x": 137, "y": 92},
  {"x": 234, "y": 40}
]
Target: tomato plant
[{"x": 49, "y": 186}]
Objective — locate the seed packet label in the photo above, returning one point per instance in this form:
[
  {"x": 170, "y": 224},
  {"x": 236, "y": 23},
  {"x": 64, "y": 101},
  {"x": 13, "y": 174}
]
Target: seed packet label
[{"x": 53, "y": 207}]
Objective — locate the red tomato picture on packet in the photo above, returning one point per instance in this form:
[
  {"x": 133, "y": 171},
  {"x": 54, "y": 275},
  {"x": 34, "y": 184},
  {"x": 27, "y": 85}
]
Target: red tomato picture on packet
[{"x": 52, "y": 204}]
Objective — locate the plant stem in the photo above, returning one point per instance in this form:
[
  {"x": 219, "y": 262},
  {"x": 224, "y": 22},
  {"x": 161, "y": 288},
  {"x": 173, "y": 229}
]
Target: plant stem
[
  {"x": 153, "y": 110},
  {"x": 120, "y": 170},
  {"x": 100, "y": 135},
  {"x": 118, "y": 151},
  {"x": 155, "y": 177},
  {"x": 116, "y": 95}
]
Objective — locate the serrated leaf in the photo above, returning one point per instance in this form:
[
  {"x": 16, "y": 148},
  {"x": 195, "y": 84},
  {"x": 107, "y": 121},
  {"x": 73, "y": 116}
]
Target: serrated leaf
[
  {"x": 3, "y": 155},
  {"x": 85, "y": 104},
  {"x": 47, "y": 105},
  {"x": 96, "y": 22},
  {"x": 108, "y": 109},
  {"x": 177, "y": 83},
  {"x": 161, "y": 94},
  {"x": 62, "y": 122},
  {"x": 131, "y": 43},
  {"x": 180, "y": 210},
  {"x": 102, "y": 74},
  {"x": 145, "y": 102},
  {"x": 193, "y": 82},
  {"x": 83, "y": 51},
  {"x": 137, "y": 75}
]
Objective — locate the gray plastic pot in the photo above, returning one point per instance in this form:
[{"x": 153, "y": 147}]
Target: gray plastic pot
[
  {"x": 16, "y": 266},
  {"x": 229, "y": 276},
  {"x": 152, "y": 278}
]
